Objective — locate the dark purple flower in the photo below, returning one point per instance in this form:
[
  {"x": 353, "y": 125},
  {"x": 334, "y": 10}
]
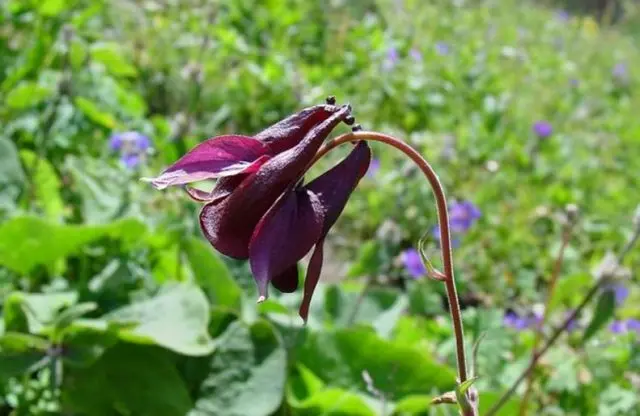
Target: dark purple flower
[
  {"x": 442, "y": 48},
  {"x": 374, "y": 167},
  {"x": 259, "y": 209},
  {"x": 618, "y": 327},
  {"x": 413, "y": 263},
  {"x": 415, "y": 54},
  {"x": 542, "y": 129}
]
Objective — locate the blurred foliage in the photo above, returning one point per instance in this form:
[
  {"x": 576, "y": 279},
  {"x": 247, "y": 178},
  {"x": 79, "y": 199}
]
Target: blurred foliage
[{"x": 113, "y": 303}]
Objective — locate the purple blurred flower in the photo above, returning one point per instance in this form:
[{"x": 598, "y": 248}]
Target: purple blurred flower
[
  {"x": 562, "y": 15},
  {"x": 442, "y": 48},
  {"x": 374, "y": 167},
  {"x": 633, "y": 325},
  {"x": 618, "y": 327},
  {"x": 542, "y": 129},
  {"x": 391, "y": 59},
  {"x": 130, "y": 160},
  {"x": 415, "y": 54},
  {"x": 620, "y": 71},
  {"x": 573, "y": 323},
  {"x": 115, "y": 142},
  {"x": 621, "y": 293},
  {"x": 435, "y": 232},
  {"x": 413, "y": 263},
  {"x": 574, "y": 82},
  {"x": 512, "y": 320},
  {"x": 463, "y": 215}
]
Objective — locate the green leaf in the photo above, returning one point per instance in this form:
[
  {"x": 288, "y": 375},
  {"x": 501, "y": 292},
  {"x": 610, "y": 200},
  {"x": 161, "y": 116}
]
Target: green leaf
[
  {"x": 31, "y": 241},
  {"x": 603, "y": 313},
  {"x": 108, "y": 54},
  {"x": 367, "y": 261},
  {"x": 85, "y": 341},
  {"x": 52, "y": 8},
  {"x": 66, "y": 317},
  {"x": 489, "y": 398},
  {"x": 21, "y": 353},
  {"x": 36, "y": 310},
  {"x": 176, "y": 319},
  {"x": 341, "y": 357},
  {"x": 247, "y": 373},
  {"x": 212, "y": 275},
  {"x": 127, "y": 380},
  {"x": 47, "y": 185},
  {"x": 12, "y": 178},
  {"x": 94, "y": 113},
  {"x": 27, "y": 94}
]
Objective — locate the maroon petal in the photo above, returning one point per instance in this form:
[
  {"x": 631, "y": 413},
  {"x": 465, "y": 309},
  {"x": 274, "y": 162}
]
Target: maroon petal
[
  {"x": 334, "y": 187},
  {"x": 284, "y": 235},
  {"x": 214, "y": 158},
  {"x": 287, "y": 133},
  {"x": 229, "y": 225},
  {"x": 287, "y": 281},
  {"x": 311, "y": 281}
]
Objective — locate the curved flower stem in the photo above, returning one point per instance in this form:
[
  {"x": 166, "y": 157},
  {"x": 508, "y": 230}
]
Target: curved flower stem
[{"x": 443, "y": 219}]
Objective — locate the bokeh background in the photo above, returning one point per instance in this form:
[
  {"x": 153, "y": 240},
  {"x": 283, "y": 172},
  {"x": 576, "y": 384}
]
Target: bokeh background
[{"x": 114, "y": 304}]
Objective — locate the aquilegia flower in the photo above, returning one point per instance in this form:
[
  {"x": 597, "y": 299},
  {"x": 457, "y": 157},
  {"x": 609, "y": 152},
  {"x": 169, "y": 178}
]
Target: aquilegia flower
[
  {"x": 131, "y": 145},
  {"x": 259, "y": 209}
]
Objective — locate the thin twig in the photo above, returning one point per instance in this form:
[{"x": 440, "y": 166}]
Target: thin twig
[
  {"x": 445, "y": 234},
  {"x": 601, "y": 283},
  {"x": 557, "y": 268}
]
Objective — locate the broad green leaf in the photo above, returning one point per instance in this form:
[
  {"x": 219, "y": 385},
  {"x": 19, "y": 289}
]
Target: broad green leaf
[
  {"x": 308, "y": 395},
  {"x": 52, "y": 7},
  {"x": 212, "y": 275},
  {"x": 340, "y": 357},
  {"x": 247, "y": 373},
  {"x": 176, "y": 319},
  {"x": 12, "y": 178},
  {"x": 109, "y": 54},
  {"x": 95, "y": 113},
  {"x": 27, "y": 94},
  {"x": 36, "y": 310},
  {"x": 31, "y": 241},
  {"x": 85, "y": 341},
  {"x": 127, "y": 380},
  {"x": 47, "y": 185},
  {"x": 66, "y": 317},
  {"x": 20, "y": 353},
  {"x": 603, "y": 313},
  {"x": 489, "y": 398}
]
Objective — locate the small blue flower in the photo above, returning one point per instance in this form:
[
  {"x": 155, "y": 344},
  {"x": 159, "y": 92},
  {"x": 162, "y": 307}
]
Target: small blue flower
[
  {"x": 621, "y": 293},
  {"x": 573, "y": 323},
  {"x": 415, "y": 54},
  {"x": 131, "y": 145},
  {"x": 413, "y": 263},
  {"x": 130, "y": 160},
  {"x": 562, "y": 15},
  {"x": 391, "y": 59},
  {"x": 463, "y": 215},
  {"x": 620, "y": 71},
  {"x": 618, "y": 327},
  {"x": 512, "y": 320},
  {"x": 115, "y": 142},
  {"x": 542, "y": 129},
  {"x": 633, "y": 325},
  {"x": 442, "y": 48},
  {"x": 374, "y": 167}
]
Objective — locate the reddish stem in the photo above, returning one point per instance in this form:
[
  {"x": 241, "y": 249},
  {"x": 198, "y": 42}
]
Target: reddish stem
[{"x": 443, "y": 219}]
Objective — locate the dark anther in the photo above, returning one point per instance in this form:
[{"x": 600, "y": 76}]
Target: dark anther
[
  {"x": 349, "y": 120},
  {"x": 331, "y": 100},
  {"x": 356, "y": 127}
]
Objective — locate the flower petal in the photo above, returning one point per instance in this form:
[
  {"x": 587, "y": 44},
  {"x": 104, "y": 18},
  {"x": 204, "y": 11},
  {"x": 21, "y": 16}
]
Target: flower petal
[
  {"x": 287, "y": 133},
  {"x": 230, "y": 224},
  {"x": 214, "y": 158},
  {"x": 311, "y": 281},
  {"x": 287, "y": 281},
  {"x": 334, "y": 187},
  {"x": 284, "y": 235}
]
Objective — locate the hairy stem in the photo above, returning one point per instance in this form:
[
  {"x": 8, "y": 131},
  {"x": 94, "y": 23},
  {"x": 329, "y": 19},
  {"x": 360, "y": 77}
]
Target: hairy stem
[
  {"x": 443, "y": 219},
  {"x": 557, "y": 268},
  {"x": 601, "y": 283}
]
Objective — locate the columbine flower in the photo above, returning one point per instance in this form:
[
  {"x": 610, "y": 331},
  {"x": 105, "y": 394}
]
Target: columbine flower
[
  {"x": 413, "y": 263},
  {"x": 259, "y": 209},
  {"x": 131, "y": 145},
  {"x": 542, "y": 129},
  {"x": 442, "y": 48}
]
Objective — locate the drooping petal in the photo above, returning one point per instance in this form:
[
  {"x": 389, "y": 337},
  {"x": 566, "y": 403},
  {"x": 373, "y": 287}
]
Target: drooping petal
[
  {"x": 287, "y": 281},
  {"x": 229, "y": 225},
  {"x": 284, "y": 235},
  {"x": 334, "y": 187},
  {"x": 311, "y": 281},
  {"x": 287, "y": 133},
  {"x": 214, "y": 158}
]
